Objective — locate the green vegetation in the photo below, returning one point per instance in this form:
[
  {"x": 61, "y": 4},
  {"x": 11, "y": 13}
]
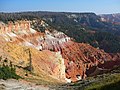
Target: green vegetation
[
  {"x": 112, "y": 86},
  {"x": 8, "y": 71},
  {"x": 110, "y": 82}
]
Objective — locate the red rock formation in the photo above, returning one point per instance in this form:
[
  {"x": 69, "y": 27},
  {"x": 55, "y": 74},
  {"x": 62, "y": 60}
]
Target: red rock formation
[
  {"x": 80, "y": 59},
  {"x": 85, "y": 57}
]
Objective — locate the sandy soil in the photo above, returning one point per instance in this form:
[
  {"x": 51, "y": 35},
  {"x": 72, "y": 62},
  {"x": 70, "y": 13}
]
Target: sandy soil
[{"x": 12, "y": 84}]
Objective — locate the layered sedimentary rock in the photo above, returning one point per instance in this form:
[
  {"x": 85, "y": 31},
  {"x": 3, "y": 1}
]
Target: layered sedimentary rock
[{"x": 57, "y": 55}]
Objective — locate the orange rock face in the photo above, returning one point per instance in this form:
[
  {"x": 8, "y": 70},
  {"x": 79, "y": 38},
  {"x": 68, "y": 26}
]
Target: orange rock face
[{"x": 82, "y": 60}]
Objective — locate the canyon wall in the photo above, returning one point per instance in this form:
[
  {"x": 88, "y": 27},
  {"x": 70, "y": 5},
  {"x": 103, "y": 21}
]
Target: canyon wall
[{"x": 57, "y": 55}]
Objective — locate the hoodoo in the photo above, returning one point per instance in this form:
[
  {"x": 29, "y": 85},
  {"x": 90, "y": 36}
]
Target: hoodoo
[{"x": 15, "y": 27}]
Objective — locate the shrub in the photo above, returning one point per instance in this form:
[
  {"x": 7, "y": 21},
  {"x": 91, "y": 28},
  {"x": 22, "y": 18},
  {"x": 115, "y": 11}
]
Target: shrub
[{"x": 7, "y": 72}]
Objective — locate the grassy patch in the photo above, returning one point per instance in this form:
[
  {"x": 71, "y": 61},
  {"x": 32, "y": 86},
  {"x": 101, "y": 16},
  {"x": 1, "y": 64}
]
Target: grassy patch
[
  {"x": 7, "y": 72},
  {"x": 109, "y": 82}
]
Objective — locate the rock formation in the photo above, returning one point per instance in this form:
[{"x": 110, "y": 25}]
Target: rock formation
[
  {"x": 54, "y": 53},
  {"x": 14, "y": 27}
]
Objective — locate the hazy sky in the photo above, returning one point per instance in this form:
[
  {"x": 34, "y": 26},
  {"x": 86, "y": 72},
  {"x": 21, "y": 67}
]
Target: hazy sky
[{"x": 97, "y": 6}]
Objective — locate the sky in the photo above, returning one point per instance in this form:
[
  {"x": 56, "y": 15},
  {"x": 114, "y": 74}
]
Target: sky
[{"x": 96, "y": 6}]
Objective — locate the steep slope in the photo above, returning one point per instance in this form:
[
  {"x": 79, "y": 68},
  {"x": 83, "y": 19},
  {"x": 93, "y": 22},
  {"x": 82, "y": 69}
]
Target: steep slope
[
  {"x": 82, "y": 60},
  {"x": 48, "y": 66},
  {"x": 45, "y": 64},
  {"x": 50, "y": 53}
]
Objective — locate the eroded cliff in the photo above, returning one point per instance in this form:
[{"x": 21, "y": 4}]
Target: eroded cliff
[{"x": 54, "y": 54}]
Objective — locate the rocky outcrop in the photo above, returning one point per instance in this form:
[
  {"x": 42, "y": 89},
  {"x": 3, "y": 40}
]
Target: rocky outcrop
[
  {"x": 83, "y": 60},
  {"x": 54, "y": 54},
  {"x": 81, "y": 57},
  {"x": 14, "y": 27}
]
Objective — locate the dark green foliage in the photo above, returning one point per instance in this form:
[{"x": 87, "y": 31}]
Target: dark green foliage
[
  {"x": 112, "y": 86},
  {"x": 7, "y": 72}
]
